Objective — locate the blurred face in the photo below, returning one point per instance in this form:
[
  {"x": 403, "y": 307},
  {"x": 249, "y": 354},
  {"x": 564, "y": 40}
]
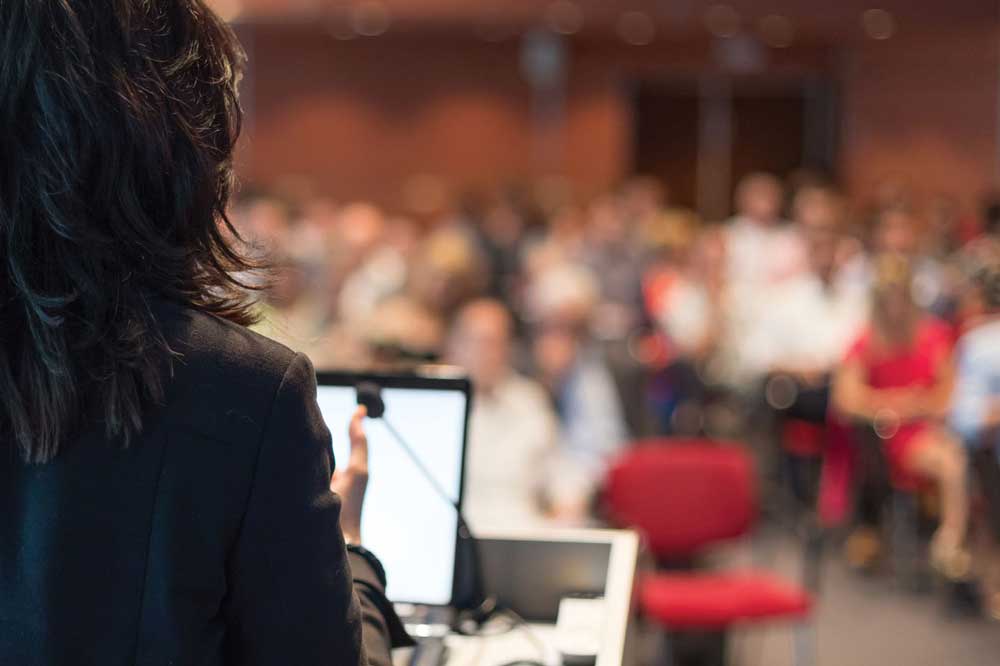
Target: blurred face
[
  {"x": 321, "y": 212},
  {"x": 503, "y": 225},
  {"x": 432, "y": 286},
  {"x": 567, "y": 223},
  {"x": 760, "y": 200},
  {"x": 607, "y": 224},
  {"x": 481, "y": 344},
  {"x": 815, "y": 209},
  {"x": 643, "y": 197},
  {"x": 445, "y": 272},
  {"x": 896, "y": 305},
  {"x": 403, "y": 234},
  {"x": 554, "y": 351},
  {"x": 361, "y": 227},
  {"x": 896, "y": 233}
]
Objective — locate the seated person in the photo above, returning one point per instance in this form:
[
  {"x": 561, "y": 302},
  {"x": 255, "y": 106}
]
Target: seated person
[
  {"x": 762, "y": 249},
  {"x": 682, "y": 294},
  {"x": 975, "y": 411},
  {"x": 976, "y": 405},
  {"x": 560, "y": 305},
  {"x": 511, "y": 478},
  {"x": 898, "y": 379},
  {"x": 813, "y": 318}
]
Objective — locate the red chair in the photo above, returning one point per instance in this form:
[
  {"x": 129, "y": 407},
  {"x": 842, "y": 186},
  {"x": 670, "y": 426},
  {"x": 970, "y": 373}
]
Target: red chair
[{"x": 685, "y": 497}]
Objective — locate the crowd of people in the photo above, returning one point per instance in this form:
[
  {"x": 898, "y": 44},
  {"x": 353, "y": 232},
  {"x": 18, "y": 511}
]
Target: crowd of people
[{"x": 807, "y": 325}]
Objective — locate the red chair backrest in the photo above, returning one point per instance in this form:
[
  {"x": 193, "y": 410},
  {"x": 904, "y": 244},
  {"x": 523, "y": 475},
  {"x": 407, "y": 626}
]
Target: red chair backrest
[{"x": 683, "y": 496}]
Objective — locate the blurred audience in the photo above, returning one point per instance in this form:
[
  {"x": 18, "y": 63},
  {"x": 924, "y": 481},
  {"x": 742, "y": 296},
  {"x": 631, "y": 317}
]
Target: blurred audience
[
  {"x": 813, "y": 316},
  {"x": 369, "y": 268},
  {"x": 411, "y": 324},
  {"x": 573, "y": 316},
  {"x": 682, "y": 287},
  {"x": 611, "y": 254}
]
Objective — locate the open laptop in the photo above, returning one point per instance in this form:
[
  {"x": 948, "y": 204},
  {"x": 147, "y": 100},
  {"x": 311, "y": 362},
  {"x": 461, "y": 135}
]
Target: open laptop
[{"x": 406, "y": 523}]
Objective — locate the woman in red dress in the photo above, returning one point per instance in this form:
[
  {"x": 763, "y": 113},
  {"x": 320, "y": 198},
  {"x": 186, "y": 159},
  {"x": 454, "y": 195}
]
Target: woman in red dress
[{"x": 898, "y": 378}]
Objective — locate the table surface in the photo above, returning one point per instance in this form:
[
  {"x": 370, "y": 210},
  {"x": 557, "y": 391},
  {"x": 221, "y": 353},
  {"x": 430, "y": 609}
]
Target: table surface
[
  {"x": 537, "y": 642},
  {"x": 534, "y": 642}
]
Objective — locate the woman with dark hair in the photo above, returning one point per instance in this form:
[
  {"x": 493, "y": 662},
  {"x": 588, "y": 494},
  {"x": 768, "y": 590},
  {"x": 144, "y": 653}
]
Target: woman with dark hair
[{"x": 165, "y": 492}]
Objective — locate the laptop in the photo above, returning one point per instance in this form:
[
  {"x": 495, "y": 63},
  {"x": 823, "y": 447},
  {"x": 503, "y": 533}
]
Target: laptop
[{"x": 406, "y": 523}]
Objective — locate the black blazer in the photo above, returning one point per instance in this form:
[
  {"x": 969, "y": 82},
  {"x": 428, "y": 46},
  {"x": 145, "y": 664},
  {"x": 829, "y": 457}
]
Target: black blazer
[{"x": 212, "y": 540}]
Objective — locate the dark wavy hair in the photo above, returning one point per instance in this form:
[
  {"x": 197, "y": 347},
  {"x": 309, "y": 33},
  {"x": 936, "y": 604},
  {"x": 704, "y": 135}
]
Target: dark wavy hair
[{"x": 118, "y": 120}]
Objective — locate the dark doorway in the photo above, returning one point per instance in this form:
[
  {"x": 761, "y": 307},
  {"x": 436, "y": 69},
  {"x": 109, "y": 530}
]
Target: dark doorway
[
  {"x": 666, "y": 139},
  {"x": 768, "y": 134},
  {"x": 700, "y": 140}
]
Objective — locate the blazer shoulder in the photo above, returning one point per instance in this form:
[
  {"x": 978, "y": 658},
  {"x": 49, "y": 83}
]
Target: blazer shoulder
[{"x": 225, "y": 378}]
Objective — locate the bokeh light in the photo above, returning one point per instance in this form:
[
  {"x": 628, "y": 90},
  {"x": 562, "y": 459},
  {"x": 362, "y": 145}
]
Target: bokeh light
[
  {"x": 371, "y": 18},
  {"x": 636, "y": 28},
  {"x": 777, "y": 31},
  {"x": 564, "y": 17},
  {"x": 878, "y": 24},
  {"x": 723, "y": 21},
  {"x": 886, "y": 423}
]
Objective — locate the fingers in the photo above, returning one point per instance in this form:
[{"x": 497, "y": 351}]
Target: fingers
[
  {"x": 351, "y": 482},
  {"x": 358, "y": 461}
]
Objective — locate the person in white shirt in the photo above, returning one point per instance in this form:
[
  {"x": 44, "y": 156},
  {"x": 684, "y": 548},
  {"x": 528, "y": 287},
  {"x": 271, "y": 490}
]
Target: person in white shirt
[
  {"x": 762, "y": 247},
  {"x": 762, "y": 252},
  {"x": 807, "y": 325},
  {"x": 514, "y": 474},
  {"x": 810, "y": 320}
]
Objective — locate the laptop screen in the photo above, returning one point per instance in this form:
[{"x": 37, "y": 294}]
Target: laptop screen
[{"x": 405, "y": 522}]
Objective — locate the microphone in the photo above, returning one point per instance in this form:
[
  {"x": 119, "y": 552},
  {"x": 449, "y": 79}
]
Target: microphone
[
  {"x": 370, "y": 395},
  {"x": 474, "y": 598}
]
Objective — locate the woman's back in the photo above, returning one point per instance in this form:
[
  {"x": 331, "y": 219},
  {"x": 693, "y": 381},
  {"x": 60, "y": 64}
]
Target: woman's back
[
  {"x": 165, "y": 476},
  {"x": 211, "y": 539}
]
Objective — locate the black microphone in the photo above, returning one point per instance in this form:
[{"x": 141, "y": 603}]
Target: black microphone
[
  {"x": 473, "y": 598},
  {"x": 370, "y": 395}
]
